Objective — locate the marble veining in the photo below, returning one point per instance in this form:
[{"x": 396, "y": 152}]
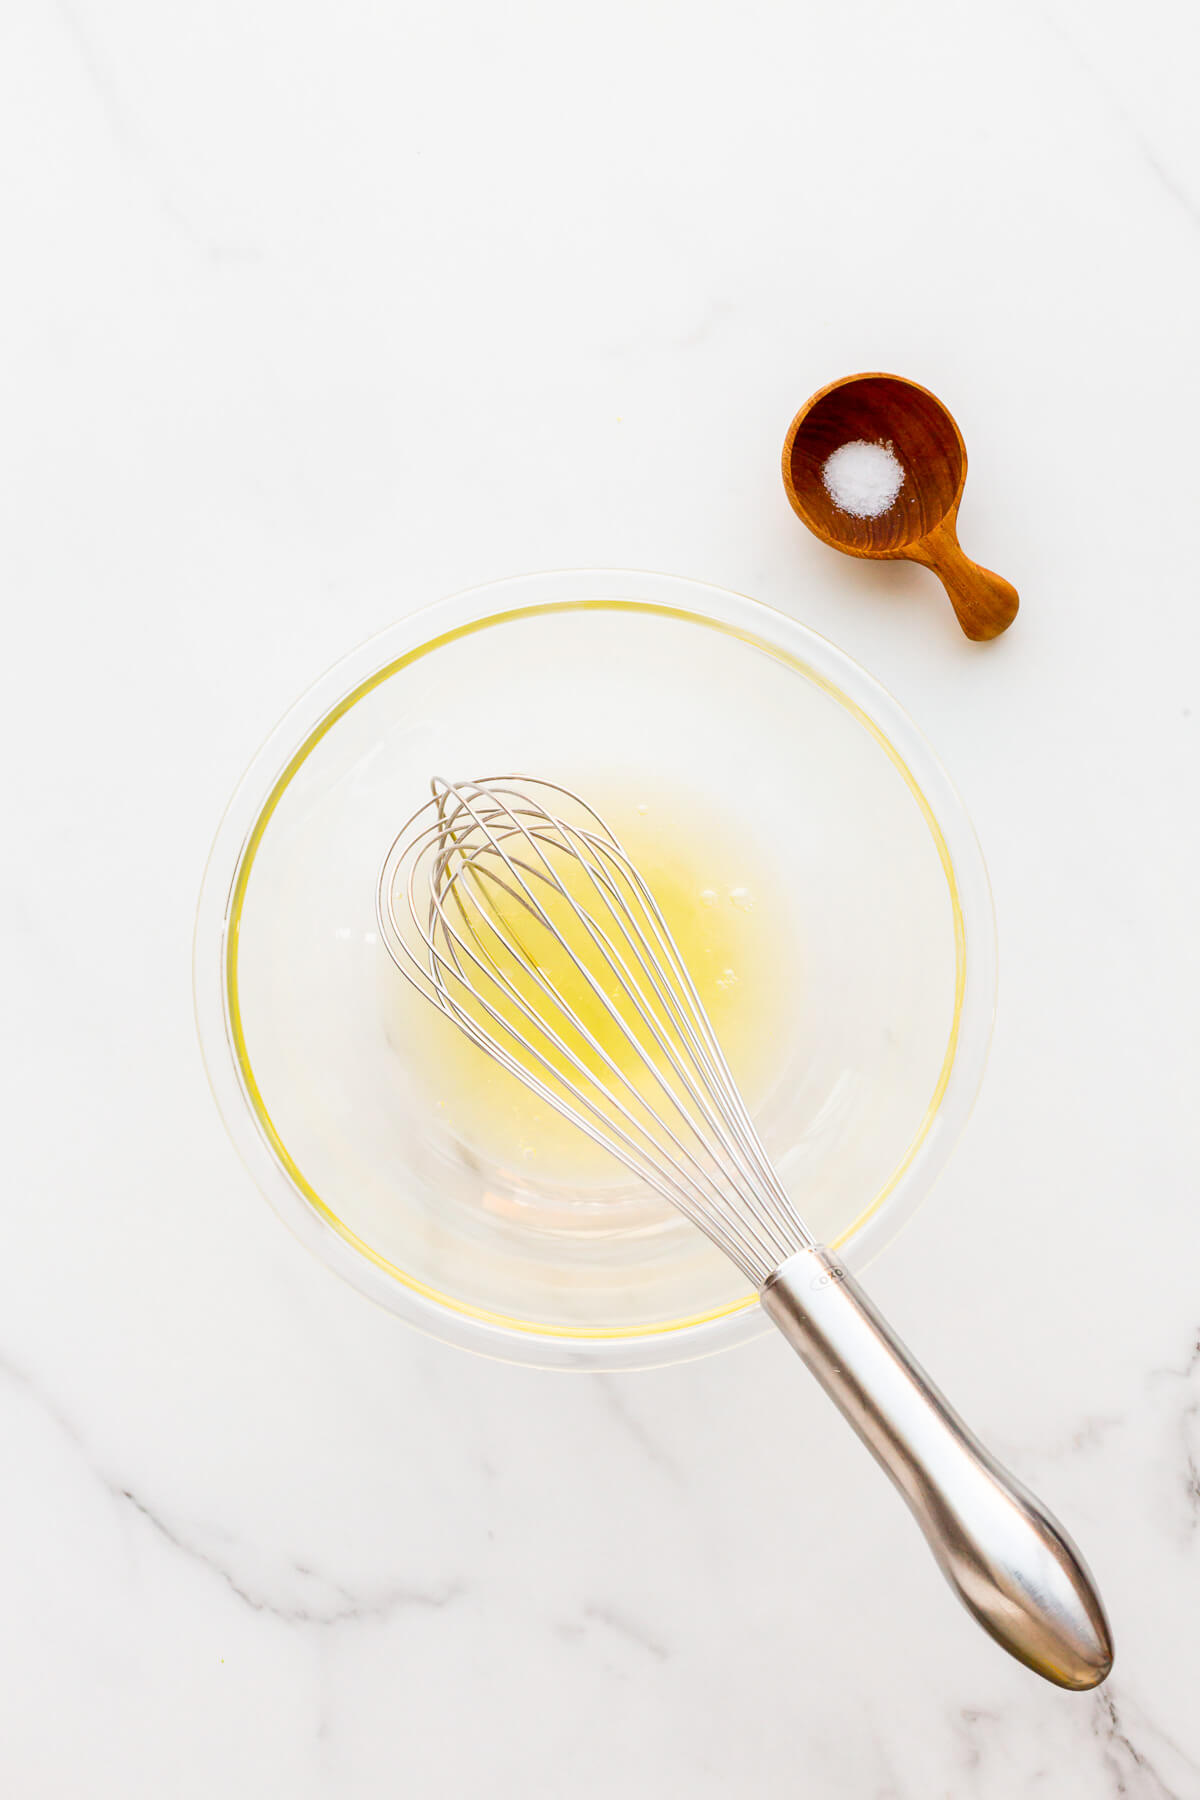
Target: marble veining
[
  {"x": 146, "y": 160},
  {"x": 1131, "y": 1765},
  {"x": 320, "y": 1599},
  {"x": 620, "y": 1403},
  {"x": 628, "y": 1630},
  {"x": 314, "y": 315},
  {"x": 1167, "y": 178},
  {"x": 332, "y": 1604}
]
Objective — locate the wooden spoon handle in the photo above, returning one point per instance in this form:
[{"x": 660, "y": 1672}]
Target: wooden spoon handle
[{"x": 986, "y": 604}]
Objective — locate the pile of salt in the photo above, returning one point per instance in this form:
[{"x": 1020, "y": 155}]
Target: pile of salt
[{"x": 863, "y": 479}]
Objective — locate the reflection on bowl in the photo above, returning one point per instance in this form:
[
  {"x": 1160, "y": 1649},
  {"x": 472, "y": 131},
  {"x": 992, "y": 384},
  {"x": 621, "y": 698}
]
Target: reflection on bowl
[{"x": 691, "y": 710}]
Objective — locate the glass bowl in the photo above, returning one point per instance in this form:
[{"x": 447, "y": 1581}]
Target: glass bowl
[{"x": 877, "y": 931}]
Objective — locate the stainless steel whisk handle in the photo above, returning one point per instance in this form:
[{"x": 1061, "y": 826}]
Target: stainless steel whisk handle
[{"x": 1010, "y": 1562}]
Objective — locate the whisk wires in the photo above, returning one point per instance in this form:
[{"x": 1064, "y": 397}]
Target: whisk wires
[{"x": 512, "y": 907}]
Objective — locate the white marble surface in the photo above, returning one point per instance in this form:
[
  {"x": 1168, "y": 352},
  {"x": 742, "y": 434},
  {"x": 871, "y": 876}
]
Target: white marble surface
[{"x": 313, "y": 312}]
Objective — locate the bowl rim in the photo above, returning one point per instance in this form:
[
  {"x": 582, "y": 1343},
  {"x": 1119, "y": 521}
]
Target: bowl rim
[{"x": 318, "y": 709}]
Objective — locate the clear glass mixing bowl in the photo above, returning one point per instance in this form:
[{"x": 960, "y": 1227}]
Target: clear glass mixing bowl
[{"x": 591, "y": 678}]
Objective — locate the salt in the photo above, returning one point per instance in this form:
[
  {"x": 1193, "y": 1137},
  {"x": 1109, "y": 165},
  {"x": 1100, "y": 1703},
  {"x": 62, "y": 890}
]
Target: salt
[{"x": 863, "y": 479}]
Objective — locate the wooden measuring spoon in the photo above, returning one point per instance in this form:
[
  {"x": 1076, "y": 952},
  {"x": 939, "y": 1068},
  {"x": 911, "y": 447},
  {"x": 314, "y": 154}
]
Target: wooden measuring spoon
[{"x": 920, "y": 523}]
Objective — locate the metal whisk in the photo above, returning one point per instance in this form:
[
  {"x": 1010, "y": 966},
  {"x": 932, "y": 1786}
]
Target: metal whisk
[{"x": 512, "y": 906}]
